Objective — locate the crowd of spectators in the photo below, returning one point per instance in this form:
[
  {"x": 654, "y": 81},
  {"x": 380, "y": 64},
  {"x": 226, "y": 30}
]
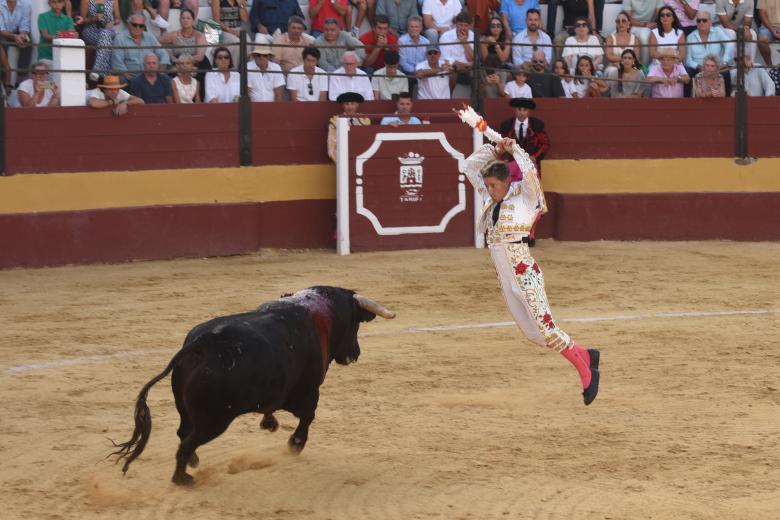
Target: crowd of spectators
[{"x": 660, "y": 48}]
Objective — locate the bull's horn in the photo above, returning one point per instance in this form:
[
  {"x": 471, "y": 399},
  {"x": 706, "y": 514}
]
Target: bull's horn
[{"x": 372, "y": 306}]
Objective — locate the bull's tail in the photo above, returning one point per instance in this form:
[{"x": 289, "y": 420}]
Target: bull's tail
[{"x": 131, "y": 449}]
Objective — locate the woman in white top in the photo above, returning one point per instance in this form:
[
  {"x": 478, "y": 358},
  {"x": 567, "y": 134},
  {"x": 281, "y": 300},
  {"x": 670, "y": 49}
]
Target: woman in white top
[
  {"x": 561, "y": 70},
  {"x": 583, "y": 44},
  {"x": 222, "y": 84},
  {"x": 185, "y": 87},
  {"x": 39, "y": 90},
  {"x": 619, "y": 41},
  {"x": 668, "y": 33}
]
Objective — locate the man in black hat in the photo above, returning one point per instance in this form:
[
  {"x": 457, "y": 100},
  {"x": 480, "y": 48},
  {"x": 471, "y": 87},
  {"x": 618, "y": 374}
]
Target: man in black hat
[
  {"x": 350, "y": 103},
  {"x": 526, "y": 130}
]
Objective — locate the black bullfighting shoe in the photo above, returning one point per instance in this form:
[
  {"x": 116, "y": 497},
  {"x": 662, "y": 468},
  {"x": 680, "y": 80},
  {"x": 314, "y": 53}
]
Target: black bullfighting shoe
[{"x": 590, "y": 393}]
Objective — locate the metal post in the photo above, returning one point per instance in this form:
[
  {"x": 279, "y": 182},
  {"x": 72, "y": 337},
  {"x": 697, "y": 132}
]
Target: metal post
[
  {"x": 740, "y": 104},
  {"x": 476, "y": 68},
  {"x": 244, "y": 109}
]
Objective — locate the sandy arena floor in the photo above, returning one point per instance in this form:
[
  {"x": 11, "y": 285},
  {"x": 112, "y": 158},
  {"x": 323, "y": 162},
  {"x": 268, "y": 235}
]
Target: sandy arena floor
[{"x": 461, "y": 423}]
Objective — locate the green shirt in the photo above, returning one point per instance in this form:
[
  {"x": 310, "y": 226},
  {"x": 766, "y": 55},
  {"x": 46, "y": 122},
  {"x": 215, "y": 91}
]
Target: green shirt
[{"x": 53, "y": 24}]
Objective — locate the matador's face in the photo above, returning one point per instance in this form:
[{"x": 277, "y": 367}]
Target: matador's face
[{"x": 497, "y": 188}]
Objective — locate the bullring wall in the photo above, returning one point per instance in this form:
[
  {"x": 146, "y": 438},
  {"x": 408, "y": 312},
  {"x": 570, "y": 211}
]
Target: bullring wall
[{"x": 164, "y": 181}]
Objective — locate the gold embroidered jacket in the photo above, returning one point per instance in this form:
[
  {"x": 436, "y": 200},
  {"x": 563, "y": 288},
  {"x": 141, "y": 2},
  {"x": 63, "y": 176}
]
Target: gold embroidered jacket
[{"x": 521, "y": 206}]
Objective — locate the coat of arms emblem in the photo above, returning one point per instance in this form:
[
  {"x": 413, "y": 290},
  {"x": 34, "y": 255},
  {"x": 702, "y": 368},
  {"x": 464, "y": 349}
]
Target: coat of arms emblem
[{"x": 411, "y": 177}]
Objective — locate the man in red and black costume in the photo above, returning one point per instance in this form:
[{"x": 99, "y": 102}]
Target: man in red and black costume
[
  {"x": 526, "y": 130},
  {"x": 530, "y": 135}
]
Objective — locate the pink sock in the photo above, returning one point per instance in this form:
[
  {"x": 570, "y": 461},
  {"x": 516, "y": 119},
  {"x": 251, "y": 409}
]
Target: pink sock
[{"x": 579, "y": 357}]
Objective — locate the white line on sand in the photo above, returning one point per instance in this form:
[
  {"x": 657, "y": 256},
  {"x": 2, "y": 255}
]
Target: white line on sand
[{"x": 29, "y": 367}]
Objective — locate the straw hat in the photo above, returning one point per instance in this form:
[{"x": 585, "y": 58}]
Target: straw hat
[{"x": 111, "y": 82}]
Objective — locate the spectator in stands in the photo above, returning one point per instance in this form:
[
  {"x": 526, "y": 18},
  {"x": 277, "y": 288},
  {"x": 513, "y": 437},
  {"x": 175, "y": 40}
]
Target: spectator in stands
[
  {"x": 433, "y": 75},
  {"x": 333, "y": 43},
  {"x": 583, "y": 44},
  {"x": 685, "y": 10},
  {"x": 350, "y": 103},
  {"x": 130, "y": 61},
  {"x": 39, "y": 90},
  {"x": 411, "y": 56},
  {"x": 320, "y": 11},
  {"x": 109, "y": 94},
  {"x": 757, "y": 80},
  {"x": 513, "y": 14},
  {"x": 151, "y": 86},
  {"x": 774, "y": 73},
  {"x": 349, "y": 78},
  {"x": 667, "y": 33},
  {"x": 231, "y": 15},
  {"x": 403, "y": 112},
  {"x": 494, "y": 77},
  {"x": 308, "y": 82},
  {"x": 398, "y": 12},
  {"x": 457, "y": 48},
  {"x": 739, "y": 17},
  {"x": 99, "y": 22},
  {"x": 287, "y": 56},
  {"x": 519, "y": 87},
  {"x": 266, "y": 80},
  {"x": 387, "y": 82},
  {"x": 586, "y": 84},
  {"x": 709, "y": 82},
  {"x": 366, "y": 9},
  {"x": 495, "y": 42},
  {"x": 270, "y": 16},
  {"x": 185, "y": 86},
  {"x": 439, "y": 17},
  {"x": 572, "y": 10},
  {"x": 668, "y": 75},
  {"x": 15, "y": 27},
  {"x": 769, "y": 16},
  {"x": 159, "y": 16},
  {"x": 643, "y": 15},
  {"x": 625, "y": 80},
  {"x": 704, "y": 42},
  {"x": 187, "y": 40},
  {"x": 376, "y": 42},
  {"x": 529, "y": 40},
  {"x": 223, "y": 85},
  {"x": 619, "y": 41},
  {"x": 561, "y": 71},
  {"x": 540, "y": 79},
  {"x": 49, "y": 24}
]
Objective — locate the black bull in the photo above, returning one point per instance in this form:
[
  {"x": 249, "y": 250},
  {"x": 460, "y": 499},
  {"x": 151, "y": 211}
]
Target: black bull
[{"x": 274, "y": 358}]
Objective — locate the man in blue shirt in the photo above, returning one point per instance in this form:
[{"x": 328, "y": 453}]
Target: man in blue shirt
[
  {"x": 706, "y": 40},
  {"x": 403, "y": 113},
  {"x": 15, "y": 32},
  {"x": 129, "y": 61},
  {"x": 411, "y": 56},
  {"x": 151, "y": 86},
  {"x": 269, "y": 15},
  {"x": 513, "y": 14}
]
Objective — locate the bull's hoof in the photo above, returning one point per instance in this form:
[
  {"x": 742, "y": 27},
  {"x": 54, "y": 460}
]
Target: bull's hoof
[
  {"x": 269, "y": 423},
  {"x": 296, "y": 444},
  {"x": 183, "y": 480},
  {"x": 194, "y": 461}
]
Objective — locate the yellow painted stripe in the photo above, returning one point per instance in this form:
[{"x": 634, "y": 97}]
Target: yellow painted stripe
[
  {"x": 102, "y": 190},
  {"x": 660, "y": 176}
]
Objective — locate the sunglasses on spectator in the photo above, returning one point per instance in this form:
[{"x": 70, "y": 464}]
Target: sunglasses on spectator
[
  {"x": 621, "y": 20},
  {"x": 580, "y": 24},
  {"x": 734, "y": 16},
  {"x": 665, "y": 15},
  {"x": 138, "y": 25},
  {"x": 40, "y": 72},
  {"x": 702, "y": 20},
  {"x": 433, "y": 52},
  {"x": 496, "y": 25},
  {"x": 311, "y": 89},
  {"x": 222, "y": 57},
  {"x": 541, "y": 62}
]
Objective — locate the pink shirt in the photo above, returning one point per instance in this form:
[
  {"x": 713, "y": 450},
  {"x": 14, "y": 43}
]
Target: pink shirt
[
  {"x": 667, "y": 91},
  {"x": 676, "y": 5}
]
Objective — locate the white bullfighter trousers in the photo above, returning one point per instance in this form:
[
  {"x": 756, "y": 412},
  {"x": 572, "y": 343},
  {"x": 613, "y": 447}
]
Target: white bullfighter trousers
[{"x": 522, "y": 284}]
